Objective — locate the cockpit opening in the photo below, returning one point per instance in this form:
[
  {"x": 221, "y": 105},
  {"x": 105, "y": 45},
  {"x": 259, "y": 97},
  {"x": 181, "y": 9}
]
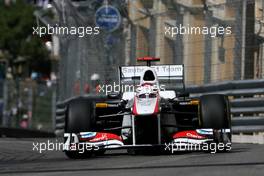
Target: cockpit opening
[{"x": 149, "y": 76}]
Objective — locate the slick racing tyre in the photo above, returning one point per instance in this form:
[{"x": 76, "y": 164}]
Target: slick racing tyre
[
  {"x": 79, "y": 118},
  {"x": 215, "y": 114}
]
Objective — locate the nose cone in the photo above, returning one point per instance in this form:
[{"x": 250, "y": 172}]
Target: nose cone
[{"x": 146, "y": 106}]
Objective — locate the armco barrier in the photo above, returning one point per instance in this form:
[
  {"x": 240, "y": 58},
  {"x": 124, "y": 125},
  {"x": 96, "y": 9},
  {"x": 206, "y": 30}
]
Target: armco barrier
[
  {"x": 24, "y": 133},
  {"x": 246, "y": 99}
]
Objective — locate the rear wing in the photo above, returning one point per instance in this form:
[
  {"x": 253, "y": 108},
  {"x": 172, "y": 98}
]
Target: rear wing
[{"x": 164, "y": 72}]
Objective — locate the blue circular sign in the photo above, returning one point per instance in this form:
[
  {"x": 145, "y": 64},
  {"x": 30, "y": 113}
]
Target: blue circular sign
[{"x": 108, "y": 18}]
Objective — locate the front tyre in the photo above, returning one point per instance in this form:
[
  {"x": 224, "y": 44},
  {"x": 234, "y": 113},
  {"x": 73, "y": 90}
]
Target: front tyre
[
  {"x": 214, "y": 113},
  {"x": 79, "y": 118}
]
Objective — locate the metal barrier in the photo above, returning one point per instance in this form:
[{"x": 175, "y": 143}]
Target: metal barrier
[
  {"x": 246, "y": 99},
  {"x": 25, "y": 133},
  {"x": 60, "y": 117},
  {"x": 27, "y": 104}
]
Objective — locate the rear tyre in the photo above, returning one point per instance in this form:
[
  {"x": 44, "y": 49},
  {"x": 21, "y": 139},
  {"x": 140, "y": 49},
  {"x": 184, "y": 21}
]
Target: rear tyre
[{"x": 79, "y": 118}]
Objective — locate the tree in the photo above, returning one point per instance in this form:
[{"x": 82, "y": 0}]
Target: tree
[{"x": 16, "y": 39}]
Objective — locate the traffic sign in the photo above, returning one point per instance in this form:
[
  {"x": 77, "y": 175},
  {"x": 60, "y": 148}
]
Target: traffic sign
[{"x": 108, "y": 18}]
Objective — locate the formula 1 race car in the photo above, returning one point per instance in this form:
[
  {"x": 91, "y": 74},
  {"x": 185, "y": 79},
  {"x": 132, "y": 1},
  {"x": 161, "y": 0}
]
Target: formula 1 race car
[{"x": 146, "y": 117}]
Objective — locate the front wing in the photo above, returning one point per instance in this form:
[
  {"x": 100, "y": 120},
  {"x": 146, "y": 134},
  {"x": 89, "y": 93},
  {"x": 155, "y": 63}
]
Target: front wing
[{"x": 183, "y": 140}]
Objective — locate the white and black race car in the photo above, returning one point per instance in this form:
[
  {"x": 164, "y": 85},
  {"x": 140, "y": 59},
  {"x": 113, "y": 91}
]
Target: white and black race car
[{"x": 149, "y": 117}]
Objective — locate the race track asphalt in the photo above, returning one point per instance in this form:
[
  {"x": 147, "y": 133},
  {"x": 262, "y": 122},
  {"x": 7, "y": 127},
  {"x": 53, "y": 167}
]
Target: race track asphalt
[{"x": 18, "y": 158}]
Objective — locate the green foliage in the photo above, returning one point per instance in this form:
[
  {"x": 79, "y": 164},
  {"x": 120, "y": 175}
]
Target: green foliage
[
  {"x": 16, "y": 22},
  {"x": 33, "y": 49}
]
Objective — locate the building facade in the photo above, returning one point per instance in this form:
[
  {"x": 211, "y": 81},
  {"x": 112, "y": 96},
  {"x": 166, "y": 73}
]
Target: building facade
[{"x": 233, "y": 55}]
